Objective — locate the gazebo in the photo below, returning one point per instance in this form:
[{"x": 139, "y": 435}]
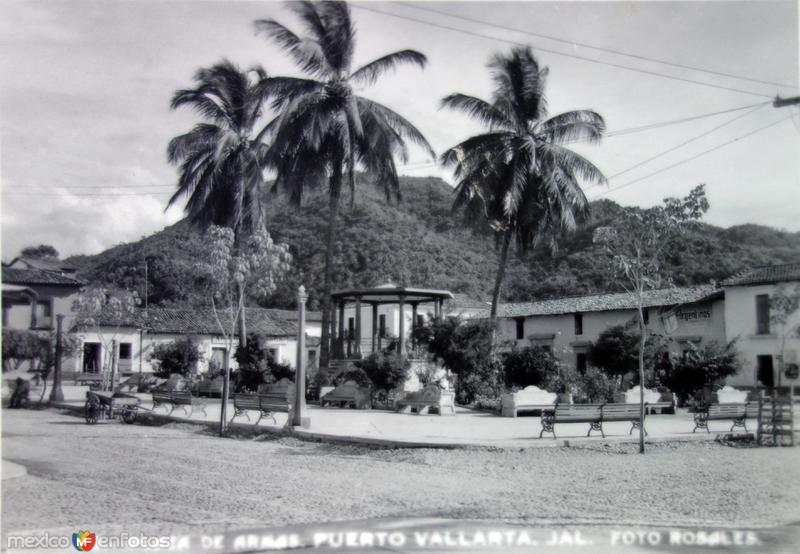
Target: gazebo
[{"x": 348, "y": 344}]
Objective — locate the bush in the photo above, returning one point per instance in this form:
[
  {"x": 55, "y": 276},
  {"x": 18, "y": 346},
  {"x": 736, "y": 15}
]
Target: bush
[
  {"x": 594, "y": 386},
  {"x": 564, "y": 380},
  {"x": 356, "y": 375},
  {"x": 616, "y": 351},
  {"x": 178, "y": 356},
  {"x": 528, "y": 366},
  {"x": 386, "y": 372},
  {"x": 699, "y": 368},
  {"x": 257, "y": 366},
  {"x": 492, "y": 403}
]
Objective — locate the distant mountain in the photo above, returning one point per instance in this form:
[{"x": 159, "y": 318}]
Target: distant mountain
[{"x": 419, "y": 242}]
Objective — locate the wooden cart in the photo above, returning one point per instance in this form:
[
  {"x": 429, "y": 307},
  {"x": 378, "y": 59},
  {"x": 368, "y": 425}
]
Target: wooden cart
[{"x": 107, "y": 405}]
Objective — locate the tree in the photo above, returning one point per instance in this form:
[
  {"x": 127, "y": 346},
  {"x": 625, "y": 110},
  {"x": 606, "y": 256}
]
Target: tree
[
  {"x": 636, "y": 246},
  {"x": 257, "y": 365},
  {"x": 616, "y": 351},
  {"x": 43, "y": 251},
  {"x": 178, "y": 356},
  {"x": 99, "y": 309},
  {"x": 783, "y": 303},
  {"x": 323, "y": 128},
  {"x": 518, "y": 177},
  {"x": 227, "y": 275},
  {"x": 222, "y": 161},
  {"x": 528, "y": 366},
  {"x": 698, "y": 368}
]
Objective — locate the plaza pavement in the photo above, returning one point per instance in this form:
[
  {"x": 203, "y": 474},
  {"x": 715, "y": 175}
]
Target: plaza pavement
[{"x": 467, "y": 428}]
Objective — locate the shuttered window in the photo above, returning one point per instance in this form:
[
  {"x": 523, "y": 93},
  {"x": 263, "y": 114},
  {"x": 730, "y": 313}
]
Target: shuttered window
[{"x": 762, "y": 314}]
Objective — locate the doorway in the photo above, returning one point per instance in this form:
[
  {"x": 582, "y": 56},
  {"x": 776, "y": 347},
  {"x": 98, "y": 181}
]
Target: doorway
[{"x": 92, "y": 362}]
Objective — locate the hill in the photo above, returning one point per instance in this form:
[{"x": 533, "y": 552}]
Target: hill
[{"x": 418, "y": 242}]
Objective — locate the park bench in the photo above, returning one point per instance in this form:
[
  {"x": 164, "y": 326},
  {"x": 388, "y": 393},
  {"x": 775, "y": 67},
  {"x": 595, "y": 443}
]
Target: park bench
[
  {"x": 531, "y": 398},
  {"x": 88, "y": 378},
  {"x": 211, "y": 387},
  {"x": 429, "y": 397},
  {"x": 178, "y": 399},
  {"x": 737, "y": 413},
  {"x": 245, "y": 402},
  {"x": 593, "y": 414},
  {"x": 276, "y": 397},
  {"x": 348, "y": 394}
]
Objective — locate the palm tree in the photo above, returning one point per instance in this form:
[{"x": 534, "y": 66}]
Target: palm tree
[
  {"x": 220, "y": 163},
  {"x": 518, "y": 177},
  {"x": 323, "y": 129}
]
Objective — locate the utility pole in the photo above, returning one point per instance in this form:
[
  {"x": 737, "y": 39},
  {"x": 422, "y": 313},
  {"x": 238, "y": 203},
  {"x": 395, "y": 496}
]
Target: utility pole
[{"x": 785, "y": 102}]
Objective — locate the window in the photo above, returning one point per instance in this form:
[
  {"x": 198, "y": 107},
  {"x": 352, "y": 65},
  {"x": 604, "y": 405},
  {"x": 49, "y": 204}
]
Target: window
[
  {"x": 520, "y": 328},
  {"x": 578, "y": 324},
  {"x": 351, "y": 327},
  {"x": 125, "y": 350},
  {"x": 762, "y": 314},
  {"x": 580, "y": 362},
  {"x": 43, "y": 315},
  {"x": 646, "y": 315},
  {"x": 764, "y": 370},
  {"x": 382, "y": 325}
]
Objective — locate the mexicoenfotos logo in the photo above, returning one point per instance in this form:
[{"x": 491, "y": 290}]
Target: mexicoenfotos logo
[{"x": 83, "y": 541}]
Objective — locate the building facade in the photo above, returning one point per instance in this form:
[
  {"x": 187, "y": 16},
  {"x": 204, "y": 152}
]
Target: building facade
[{"x": 765, "y": 345}]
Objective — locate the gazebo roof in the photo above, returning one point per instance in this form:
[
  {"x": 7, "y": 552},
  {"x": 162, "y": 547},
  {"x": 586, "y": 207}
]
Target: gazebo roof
[{"x": 390, "y": 294}]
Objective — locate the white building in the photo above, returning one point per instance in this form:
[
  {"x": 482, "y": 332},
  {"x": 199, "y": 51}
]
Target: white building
[{"x": 748, "y": 319}]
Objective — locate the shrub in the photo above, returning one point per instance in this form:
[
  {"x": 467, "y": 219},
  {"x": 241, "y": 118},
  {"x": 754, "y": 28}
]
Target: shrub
[
  {"x": 528, "y": 366},
  {"x": 178, "y": 356},
  {"x": 594, "y": 386},
  {"x": 257, "y": 366},
  {"x": 386, "y": 372},
  {"x": 564, "y": 380},
  {"x": 356, "y": 375},
  {"x": 616, "y": 351},
  {"x": 492, "y": 403},
  {"x": 707, "y": 366}
]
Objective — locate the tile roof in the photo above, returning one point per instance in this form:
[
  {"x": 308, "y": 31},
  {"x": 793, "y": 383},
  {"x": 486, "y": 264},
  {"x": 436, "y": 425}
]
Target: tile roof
[
  {"x": 765, "y": 274},
  {"x": 604, "y": 302},
  {"x": 47, "y": 264},
  {"x": 16, "y": 276},
  {"x": 201, "y": 321}
]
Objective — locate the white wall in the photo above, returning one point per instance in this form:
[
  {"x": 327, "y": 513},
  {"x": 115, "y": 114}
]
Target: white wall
[{"x": 740, "y": 322}]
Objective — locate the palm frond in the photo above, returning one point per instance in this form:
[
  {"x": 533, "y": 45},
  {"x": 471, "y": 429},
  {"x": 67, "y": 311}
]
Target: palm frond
[
  {"x": 399, "y": 123},
  {"x": 306, "y": 53},
  {"x": 578, "y": 125},
  {"x": 368, "y": 74}
]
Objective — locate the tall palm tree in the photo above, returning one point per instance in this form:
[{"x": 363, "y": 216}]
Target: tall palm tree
[
  {"x": 518, "y": 177},
  {"x": 221, "y": 163},
  {"x": 324, "y": 130}
]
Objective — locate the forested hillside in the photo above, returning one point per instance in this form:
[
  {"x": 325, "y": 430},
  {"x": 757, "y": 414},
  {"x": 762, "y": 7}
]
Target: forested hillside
[{"x": 419, "y": 242}]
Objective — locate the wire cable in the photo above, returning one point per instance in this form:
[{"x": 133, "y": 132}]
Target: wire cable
[
  {"x": 599, "y": 48},
  {"x": 685, "y": 160},
  {"x": 565, "y": 54}
]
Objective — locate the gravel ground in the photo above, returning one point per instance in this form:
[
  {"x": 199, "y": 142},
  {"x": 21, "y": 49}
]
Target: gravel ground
[{"x": 178, "y": 478}]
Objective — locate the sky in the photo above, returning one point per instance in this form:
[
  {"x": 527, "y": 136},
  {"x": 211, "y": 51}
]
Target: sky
[{"x": 85, "y": 88}]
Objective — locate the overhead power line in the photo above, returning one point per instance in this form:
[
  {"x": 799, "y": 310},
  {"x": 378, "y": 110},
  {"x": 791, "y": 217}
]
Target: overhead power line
[
  {"x": 559, "y": 53},
  {"x": 598, "y": 48},
  {"x": 685, "y": 160}
]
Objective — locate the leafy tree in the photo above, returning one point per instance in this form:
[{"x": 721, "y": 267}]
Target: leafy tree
[
  {"x": 179, "y": 356},
  {"x": 324, "y": 129},
  {"x": 43, "y": 251},
  {"x": 636, "y": 245},
  {"x": 616, "y": 351},
  {"x": 222, "y": 161},
  {"x": 707, "y": 366},
  {"x": 518, "y": 177},
  {"x": 528, "y": 366},
  {"x": 228, "y": 274},
  {"x": 38, "y": 349},
  {"x": 257, "y": 366}
]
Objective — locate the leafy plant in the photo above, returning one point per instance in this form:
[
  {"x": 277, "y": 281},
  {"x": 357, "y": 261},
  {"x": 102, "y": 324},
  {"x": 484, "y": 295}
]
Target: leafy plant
[
  {"x": 386, "y": 372},
  {"x": 707, "y": 366},
  {"x": 176, "y": 357},
  {"x": 528, "y": 366}
]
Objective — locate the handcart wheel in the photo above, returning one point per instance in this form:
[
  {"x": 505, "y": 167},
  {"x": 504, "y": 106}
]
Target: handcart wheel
[
  {"x": 91, "y": 411},
  {"x": 129, "y": 415}
]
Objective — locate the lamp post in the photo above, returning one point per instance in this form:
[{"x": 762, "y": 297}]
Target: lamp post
[
  {"x": 56, "y": 393},
  {"x": 299, "y": 417}
]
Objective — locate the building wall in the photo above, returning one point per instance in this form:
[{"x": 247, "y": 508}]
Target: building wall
[
  {"x": 697, "y": 323},
  {"x": 740, "y": 322},
  {"x": 19, "y": 314}
]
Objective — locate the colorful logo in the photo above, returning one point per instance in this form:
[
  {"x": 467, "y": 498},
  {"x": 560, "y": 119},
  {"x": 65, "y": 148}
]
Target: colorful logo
[{"x": 83, "y": 541}]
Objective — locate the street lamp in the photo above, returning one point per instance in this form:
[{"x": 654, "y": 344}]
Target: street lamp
[{"x": 299, "y": 417}]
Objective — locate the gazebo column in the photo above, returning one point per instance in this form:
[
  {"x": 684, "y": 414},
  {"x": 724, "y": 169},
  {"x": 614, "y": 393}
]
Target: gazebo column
[
  {"x": 357, "y": 348},
  {"x": 340, "y": 350},
  {"x": 439, "y": 308},
  {"x": 401, "y": 349},
  {"x": 374, "y": 325},
  {"x": 413, "y": 325}
]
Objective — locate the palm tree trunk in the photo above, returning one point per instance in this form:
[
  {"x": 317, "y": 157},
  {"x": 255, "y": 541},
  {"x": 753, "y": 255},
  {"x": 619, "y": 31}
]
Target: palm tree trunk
[
  {"x": 498, "y": 283},
  {"x": 351, "y": 178},
  {"x": 333, "y": 220}
]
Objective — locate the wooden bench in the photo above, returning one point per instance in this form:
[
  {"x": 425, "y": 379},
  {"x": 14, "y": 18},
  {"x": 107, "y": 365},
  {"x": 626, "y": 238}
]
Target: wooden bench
[
  {"x": 276, "y": 397},
  {"x": 737, "y": 413},
  {"x": 245, "y": 402},
  {"x": 429, "y": 397},
  {"x": 593, "y": 414},
  {"x": 178, "y": 399},
  {"x": 88, "y": 378}
]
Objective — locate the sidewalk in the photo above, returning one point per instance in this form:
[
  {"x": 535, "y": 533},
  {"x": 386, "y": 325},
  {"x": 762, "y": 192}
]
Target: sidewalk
[{"x": 466, "y": 429}]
